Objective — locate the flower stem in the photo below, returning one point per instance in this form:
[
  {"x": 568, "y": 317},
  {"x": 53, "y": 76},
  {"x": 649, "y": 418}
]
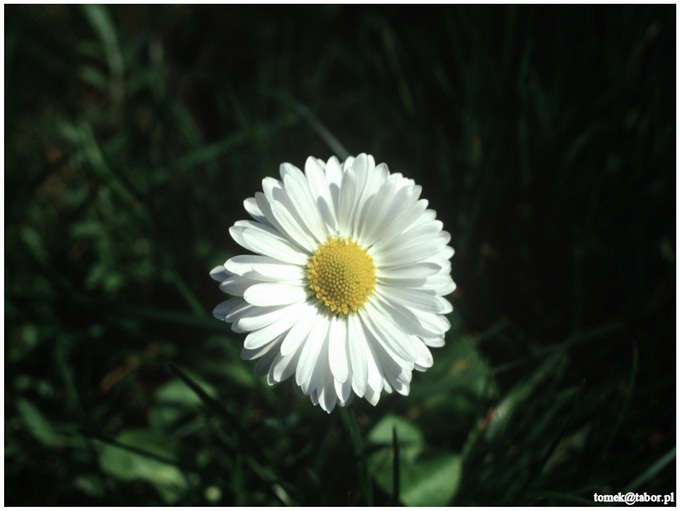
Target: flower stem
[{"x": 349, "y": 418}]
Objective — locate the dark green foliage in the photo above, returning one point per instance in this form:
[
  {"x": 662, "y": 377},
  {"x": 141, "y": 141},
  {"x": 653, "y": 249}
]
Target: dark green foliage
[{"x": 544, "y": 138}]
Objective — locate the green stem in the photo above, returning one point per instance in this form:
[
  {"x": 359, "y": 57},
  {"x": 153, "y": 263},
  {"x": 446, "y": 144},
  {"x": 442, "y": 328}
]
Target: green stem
[{"x": 349, "y": 418}]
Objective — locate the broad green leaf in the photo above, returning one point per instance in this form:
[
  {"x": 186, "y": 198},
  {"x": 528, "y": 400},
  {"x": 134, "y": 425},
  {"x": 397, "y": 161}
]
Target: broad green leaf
[
  {"x": 431, "y": 482},
  {"x": 36, "y": 423},
  {"x": 139, "y": 454},
  {"x": 423, "y": 481},
  {"x": 410, "y": 437}
]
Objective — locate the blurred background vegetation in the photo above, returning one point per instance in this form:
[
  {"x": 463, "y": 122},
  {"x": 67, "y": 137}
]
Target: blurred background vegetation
[{"x": 543, "y": 136}]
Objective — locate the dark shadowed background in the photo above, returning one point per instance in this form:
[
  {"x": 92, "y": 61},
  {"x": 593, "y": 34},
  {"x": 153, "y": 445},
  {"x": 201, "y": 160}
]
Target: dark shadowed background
[{"x": 544, "y": 137}]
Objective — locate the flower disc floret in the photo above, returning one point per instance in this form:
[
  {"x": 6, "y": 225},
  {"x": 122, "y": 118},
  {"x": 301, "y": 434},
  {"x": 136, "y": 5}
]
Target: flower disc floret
[{"x": 341, "y": 275}]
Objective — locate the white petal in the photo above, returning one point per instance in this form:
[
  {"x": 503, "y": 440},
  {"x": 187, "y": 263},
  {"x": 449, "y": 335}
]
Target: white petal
[
  {"x": 357, "y": 354},
  {"x": 297, "y": 187},
  {"x": 366, "y": 206},
  {"x": 218, "y": 273},
  {"x": 237, "y": 309},
  {"x": 380, "y": 214},
  {"x": 291, "y": 226},
  {"x": 446, "y": 305},
  {"x": 346, "y": 201},
  {"x": 274, "y": 294},
  {"x": 265, "y": 268},
  {"x": 375, "y": 375},
  {"x": 396, "y": 375},
  {"x": 416, "y": 238},
  {"x": 434, "y": 342},
  {"x": 235, "y": 285},
  {"x": 407, "y": 255},
  {"x": 411, "y": 209},
  {"x": 240, "y": 264},
  {"x": 447, "y": 252},
  {"x": 282, "y": 368},
  {"x": 274, "y": 246},
  {"x": 224, "y": 308},
  {"x": 361, "y": 166},
  {"x": 420, "y": 270},
  {"x": 375, "y": 211},
  {"x": 262, "y": 265},
  {"x": 348, "y": 163},
  {"x": 310, "y": 353},
  {"x": 327, "y": 398},
  {"x": 388, "y": 335},
  {"x": 280, "y": 272},
  {"x": 321, "y": 374},
  {"x": 343, "y": 391},
  {"x": 301, "y": 330},
  {"x": 261, "y": 317},
  {"x": 334, "y": 179},
  {"x": 425, "y": 323},
  {"x": 267, "y": 334},
  {"x": 290, "y": 219},
  {"x": 406, "y": 283},
  {"x": 441, "y": 284},
  {"x": 254, "y": 210},
  {"x": 262, "y": 202},
  {"x": 319, "y": 188},
  {"x": 265, "y": 349},
  {"x": 411, "y": 298},
  {"x": 435, "y": 323},
  {"x": 372, "y": 396},
  {"x": 337, "y": 349},
  {"x": 236, "y": 230},
  {"x": 386, "y": 385},
  {"x": 266, "y": 357},
  {"x": 426, "y": 216},
  {"x": 424, "y": 360},
  {"x": 313, "y": 396}
]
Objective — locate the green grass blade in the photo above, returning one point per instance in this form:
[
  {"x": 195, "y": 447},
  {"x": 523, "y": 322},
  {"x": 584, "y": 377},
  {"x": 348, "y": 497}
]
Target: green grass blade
[
  {"x": 653, "y": 470},
  {"x": 396, "y": 474},
  {"x": 348, "y": 416}
]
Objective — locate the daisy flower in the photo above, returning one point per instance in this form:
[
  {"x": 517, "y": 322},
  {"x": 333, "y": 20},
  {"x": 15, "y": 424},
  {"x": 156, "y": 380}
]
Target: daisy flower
[{"x": 344, "y": 291}]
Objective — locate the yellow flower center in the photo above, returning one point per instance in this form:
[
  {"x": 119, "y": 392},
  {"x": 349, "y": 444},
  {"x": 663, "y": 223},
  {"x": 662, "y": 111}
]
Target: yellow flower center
[{"x": 342, "y": 275}]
